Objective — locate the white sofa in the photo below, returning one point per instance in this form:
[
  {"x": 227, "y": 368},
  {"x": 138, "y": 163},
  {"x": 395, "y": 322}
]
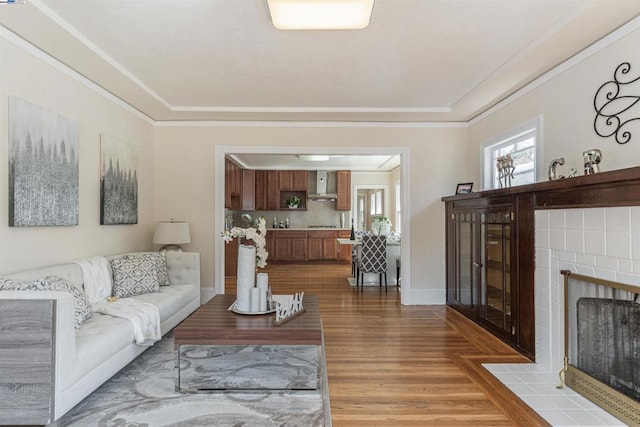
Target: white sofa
[{"x": 80, "y": 361}]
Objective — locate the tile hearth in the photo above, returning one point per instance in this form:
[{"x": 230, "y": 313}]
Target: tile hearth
[{"x": 537, "y": 388}]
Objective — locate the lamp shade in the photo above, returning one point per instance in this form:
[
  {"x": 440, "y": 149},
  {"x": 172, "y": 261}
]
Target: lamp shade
[{"x": 171, "y": 233}]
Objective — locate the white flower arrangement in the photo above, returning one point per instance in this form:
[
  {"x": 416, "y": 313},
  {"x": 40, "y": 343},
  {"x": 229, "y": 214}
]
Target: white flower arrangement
[
  {"x": 381, "y": 226},
  {"x": 255, "y": 234}
]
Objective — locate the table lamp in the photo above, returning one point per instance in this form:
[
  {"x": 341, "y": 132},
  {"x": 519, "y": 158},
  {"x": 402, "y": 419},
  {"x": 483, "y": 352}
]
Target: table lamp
[{"x": 171, "y": 234}]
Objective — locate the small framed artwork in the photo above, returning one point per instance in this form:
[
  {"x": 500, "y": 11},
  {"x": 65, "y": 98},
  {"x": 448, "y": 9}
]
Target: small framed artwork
[{"x": 464, "y": 188}]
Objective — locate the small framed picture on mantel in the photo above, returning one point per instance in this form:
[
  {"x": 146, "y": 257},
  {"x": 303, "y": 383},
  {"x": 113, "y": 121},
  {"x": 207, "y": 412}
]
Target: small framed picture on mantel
[{"x": 464, "y": 188}]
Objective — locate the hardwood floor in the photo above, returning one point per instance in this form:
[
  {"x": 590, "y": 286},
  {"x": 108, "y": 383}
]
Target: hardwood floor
[{"x": 391, "y": 365}]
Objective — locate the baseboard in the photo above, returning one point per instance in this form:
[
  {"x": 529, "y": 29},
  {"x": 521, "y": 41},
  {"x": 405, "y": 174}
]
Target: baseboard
[
  {"x": 206, "y": 294},
  {"x": 427, "y": 297}
]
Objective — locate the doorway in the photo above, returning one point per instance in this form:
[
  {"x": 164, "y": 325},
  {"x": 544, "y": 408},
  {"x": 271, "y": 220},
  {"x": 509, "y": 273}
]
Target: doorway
[{"x": 219, "y": 215}]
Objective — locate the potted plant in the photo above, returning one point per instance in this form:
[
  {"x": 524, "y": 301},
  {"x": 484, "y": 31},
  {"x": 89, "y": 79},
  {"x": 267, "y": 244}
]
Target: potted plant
[{"x": 293, "y": 202}]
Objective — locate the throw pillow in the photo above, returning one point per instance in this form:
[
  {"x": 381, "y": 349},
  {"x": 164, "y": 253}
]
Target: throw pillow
[
  {"x": 135, "y": 274},
  {"x": 161, "y": 262},
  {"x": 53, "y": 283}
]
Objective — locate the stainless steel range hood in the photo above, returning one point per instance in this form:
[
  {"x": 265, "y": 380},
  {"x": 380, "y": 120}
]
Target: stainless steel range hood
[{"x": 321, "y": 189}]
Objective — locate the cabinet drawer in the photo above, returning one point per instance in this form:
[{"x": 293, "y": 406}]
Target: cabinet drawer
[
  {"x": 289, "y": 234},
  {"x": 323, "y": 234}
]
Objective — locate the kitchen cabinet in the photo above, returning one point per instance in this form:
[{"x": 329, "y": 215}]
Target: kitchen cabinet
[
  {"x": 267, "y": 193},
  {"x": 343, "y": 189},
  {"x": 231, "y": 258},
  {"x": 290, "y": 245},
  {"x": 292, "y": 180},
  {"x": 232, "y": 185},
  {"x": 248, "y": 193},
  {"x": 323, "y": 245},
  {"x": 344, "y": 251}
]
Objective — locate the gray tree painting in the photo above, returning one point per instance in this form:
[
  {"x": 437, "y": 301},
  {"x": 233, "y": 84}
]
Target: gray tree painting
[
  {"x": 43, "y": 166},
  {"x": 118, "y": 182}
]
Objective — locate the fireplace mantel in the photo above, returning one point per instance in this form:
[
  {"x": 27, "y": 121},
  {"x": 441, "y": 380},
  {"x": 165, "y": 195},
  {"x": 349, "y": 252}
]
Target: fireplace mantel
[
  {"x": 605, "y": 189},
  {"x": 602, "y": 190}
]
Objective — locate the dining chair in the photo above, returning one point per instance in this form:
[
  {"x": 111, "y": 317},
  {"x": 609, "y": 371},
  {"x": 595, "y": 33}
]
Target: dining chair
[{"x": 373, "y": 259}]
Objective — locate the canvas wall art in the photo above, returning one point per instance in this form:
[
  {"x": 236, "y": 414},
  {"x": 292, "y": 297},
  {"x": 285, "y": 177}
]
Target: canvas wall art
[
  {"x": 43, "y": 166},
  {"x": 118, "y": 182}
]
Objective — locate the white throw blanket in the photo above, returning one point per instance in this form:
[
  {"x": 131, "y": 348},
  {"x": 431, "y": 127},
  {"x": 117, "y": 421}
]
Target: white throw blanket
[
  {"x": 144, "y": 317},
  {"x": 96, "y": 277}
]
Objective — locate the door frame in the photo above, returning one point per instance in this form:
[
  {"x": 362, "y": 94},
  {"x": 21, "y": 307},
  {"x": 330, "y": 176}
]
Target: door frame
[{"x": 219, "y": 177}]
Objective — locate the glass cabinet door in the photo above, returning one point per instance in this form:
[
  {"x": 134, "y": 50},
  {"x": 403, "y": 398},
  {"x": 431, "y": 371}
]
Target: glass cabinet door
[
  {"x": 495, "y": 285},
  {"x": 465, "y": 271}
]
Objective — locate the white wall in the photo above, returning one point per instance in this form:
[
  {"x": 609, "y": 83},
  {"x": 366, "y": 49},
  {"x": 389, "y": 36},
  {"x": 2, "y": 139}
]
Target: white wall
[
  {"x": 566, "y": 103},
  {"x": 185, "y": 182},
  {"x": 27, "y": 74}
]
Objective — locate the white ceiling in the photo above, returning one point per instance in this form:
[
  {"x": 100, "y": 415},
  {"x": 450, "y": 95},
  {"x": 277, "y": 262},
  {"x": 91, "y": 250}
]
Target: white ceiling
[
  {"x": 418, "y": 60},
  {"x": 362, "y": 163}
]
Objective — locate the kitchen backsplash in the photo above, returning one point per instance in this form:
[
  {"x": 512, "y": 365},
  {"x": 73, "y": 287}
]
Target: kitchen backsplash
[{"x": 317, "y": 213}]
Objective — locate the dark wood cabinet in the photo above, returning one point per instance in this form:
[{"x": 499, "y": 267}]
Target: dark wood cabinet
[
  {"x": 343, "y": 189},
  {"x": 232, "y": 185},
  {"x": 485, "y": 280},
  {"x": 289, "y": 245},
  {"x": 292, "y": 180},
  {"x": 267, "y": 193},
  {"x": 248, "y": 193},
  {"x": 231, "y": 258}
]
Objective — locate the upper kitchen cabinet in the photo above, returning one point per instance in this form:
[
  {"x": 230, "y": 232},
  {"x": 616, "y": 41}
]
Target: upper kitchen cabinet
[
  {"x": 232, "y": 185},
  {"x": 343, "y": 188},
  {"x": 248, "y": 194},
  {"x": 267, "y": 193},
  {"x": 292, "y": 180}
]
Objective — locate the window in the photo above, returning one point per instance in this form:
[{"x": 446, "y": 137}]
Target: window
[{"x": 524, "y": 146}]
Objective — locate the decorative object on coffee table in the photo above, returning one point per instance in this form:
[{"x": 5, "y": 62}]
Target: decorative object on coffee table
[
  {"x": 249, "y": 256},
  {"x": 288, "y": 310}
]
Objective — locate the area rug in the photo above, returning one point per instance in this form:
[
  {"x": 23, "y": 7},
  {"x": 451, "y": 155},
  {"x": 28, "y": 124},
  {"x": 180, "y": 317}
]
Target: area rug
[{"x": 144, "y": 394}]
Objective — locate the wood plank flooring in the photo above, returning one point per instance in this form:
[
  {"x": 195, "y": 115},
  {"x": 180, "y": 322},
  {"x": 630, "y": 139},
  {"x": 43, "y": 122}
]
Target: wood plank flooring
[{"x": 395, "y": 365}]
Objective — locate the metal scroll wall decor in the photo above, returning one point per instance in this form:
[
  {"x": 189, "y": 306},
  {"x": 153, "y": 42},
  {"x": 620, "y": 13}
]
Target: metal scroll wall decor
[{"x": 613, "y": 103}]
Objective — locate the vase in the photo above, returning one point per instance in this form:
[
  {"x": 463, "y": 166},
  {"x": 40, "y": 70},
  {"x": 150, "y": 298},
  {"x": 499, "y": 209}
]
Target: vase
[{"x": 246, "y": 277}]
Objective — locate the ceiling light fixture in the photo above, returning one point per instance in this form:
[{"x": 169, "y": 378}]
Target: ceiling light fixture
[
  {"x": 313, "y": 157},
  {"x": 320, "y": 14}
]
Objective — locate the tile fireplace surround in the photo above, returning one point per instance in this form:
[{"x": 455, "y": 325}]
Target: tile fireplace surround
[{"x": 598, "y": 242}]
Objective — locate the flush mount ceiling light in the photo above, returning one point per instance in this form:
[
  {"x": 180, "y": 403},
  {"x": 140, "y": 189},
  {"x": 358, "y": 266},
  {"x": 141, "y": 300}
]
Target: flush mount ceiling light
[
  {"x": 320, "y": 14},
  {"x": 313, "y": 157}
]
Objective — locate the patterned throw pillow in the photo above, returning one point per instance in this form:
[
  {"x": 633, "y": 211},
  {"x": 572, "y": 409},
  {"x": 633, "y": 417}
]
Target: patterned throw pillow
[
  {"x": 163, "y": 274},
  {"x": 53, "y": 283},
  {"x": 135, "y": 274}
]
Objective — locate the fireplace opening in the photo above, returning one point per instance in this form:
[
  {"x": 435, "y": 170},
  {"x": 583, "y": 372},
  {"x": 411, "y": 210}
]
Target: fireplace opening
[{"x": 602, "y": 343}]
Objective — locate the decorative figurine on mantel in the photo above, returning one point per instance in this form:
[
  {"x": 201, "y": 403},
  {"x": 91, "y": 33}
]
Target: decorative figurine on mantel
[
  {"x": 592, "y": 159},
  {"x": 505, "y": 170},
  {"x": 553, "y": 174}
]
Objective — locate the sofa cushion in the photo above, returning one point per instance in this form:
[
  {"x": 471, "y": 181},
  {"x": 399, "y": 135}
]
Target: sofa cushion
[
  {"x": 170, "y": 299},
  {"x": 53, "y": 283},
  {"x": 135, "y": 274}
]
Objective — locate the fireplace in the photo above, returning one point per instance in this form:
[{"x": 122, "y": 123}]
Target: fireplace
[{"x": 602, "y": 343}]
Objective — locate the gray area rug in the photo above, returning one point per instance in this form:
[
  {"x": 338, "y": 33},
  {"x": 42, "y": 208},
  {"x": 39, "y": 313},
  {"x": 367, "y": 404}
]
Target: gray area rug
[{"x": 143, "y": 394}]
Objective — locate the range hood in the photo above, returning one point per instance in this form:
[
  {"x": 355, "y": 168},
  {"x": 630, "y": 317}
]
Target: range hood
[{"x": 321, "y": 189}]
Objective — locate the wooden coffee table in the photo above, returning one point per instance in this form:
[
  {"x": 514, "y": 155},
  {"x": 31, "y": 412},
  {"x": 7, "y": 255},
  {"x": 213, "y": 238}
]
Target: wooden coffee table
[{"x": 219, "y": 350}]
